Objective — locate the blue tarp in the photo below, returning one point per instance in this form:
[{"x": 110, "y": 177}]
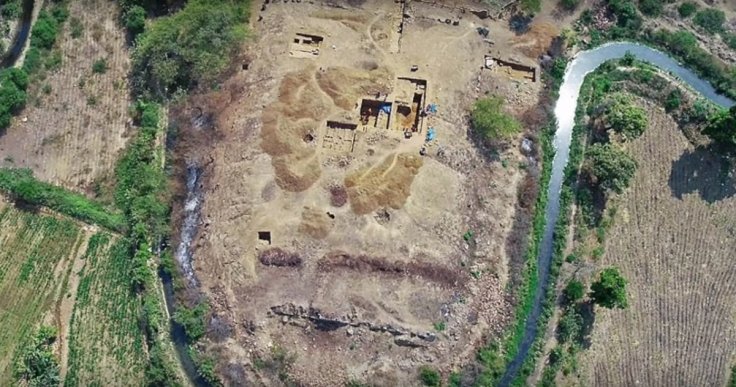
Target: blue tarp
[
  {"x": 432, "y": 108},
  {"x": 430, "y": 134},
  {"x": 386, "y": 108}
]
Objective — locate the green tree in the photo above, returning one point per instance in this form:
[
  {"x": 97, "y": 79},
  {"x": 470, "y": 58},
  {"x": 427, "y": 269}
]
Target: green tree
[
  {"x": 722, "y": 127},
  {"x": 651, "y": 8},
  {"x": 135, "y": 20},
  {"x": 711, "y": 19},
  {"x": 626, "y": 13},
  {"x": 189, "y": 48},
  {"x": 574, "y": 291},
  {"x": 44, "y": 31},
  {"x": 674, "y": 100},
  {"x": 625, "y": 117},
  {"x": 193, "y": 320},
  {"x": 429, "y": 377},
  {"x": 687, "y": 9},
  {"x": 491, "y": 121},
  {"x": 610, "y": 167},
  {"x": 609, "y": 291}
]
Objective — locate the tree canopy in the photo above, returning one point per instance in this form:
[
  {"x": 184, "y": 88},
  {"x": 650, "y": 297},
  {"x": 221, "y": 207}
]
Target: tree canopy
[
  {"x": 189, "y": 48},
  {"x": 611, "y": 167},
  {"x": 492, "y": 121},
  {"x": 609, "y": 291},
  {"x": 13, "y": 83},
  {"x": 625, "y": 117},
  {"x": 711, "y": 19},
  {"x": 722, "y": 127}
]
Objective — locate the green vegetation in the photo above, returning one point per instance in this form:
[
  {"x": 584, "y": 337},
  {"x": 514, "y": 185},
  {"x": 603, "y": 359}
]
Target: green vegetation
[
  {"x": 610, "y": 167},
  {"x": 11, "y": 9},
  {"x": 687, "y": 9},
  {"x": 21, "y": 185},
  {"x": 490, "y": 120},
  {"x": 710, "y": 19},
  {"x": 627, "y": 17},
  {"x": 13, "y": 84},
  {"x": 77, "y": 28},
  {"x": 722, "y": 127},
  {"x": 188, "y": 49},
  {"x": 192, "y": 319},
  {"x": 34, "y": 249},
  {"x": 651, "y": 8},
  {"x": 609, "y": 291},
  {"x": 673, "y": 101},
  {"x": 569, "y": 5},
  {"x": 206, "y": 366},
  {"x": 574, "y": 291},
  {"x": 36, "y": 364},
  {"x": 104, "y": 327},
  {"x": 439, "y": 326},
  {"x": 625, "y": 117},
  {"x": 99, "y": 66},
  {"x": 429, "y": 377},
  {"x": 135, "y": 20}
]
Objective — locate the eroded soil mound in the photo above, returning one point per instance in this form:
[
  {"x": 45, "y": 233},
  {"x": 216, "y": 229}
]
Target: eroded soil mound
[{"x": 384, "y": 185}]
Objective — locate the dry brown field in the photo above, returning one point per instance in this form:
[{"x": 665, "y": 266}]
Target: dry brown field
[
  {"x": 328, "y": 239},
  {"x": 674, "y": 240},
  {"x": 75, "y": 121}
]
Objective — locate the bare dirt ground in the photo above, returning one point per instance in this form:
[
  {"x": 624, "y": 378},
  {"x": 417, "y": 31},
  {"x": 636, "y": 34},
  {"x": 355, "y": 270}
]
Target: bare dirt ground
[
  {"x": 369, "y": 232},
  {"x": 75, "y": 121},
  {"x": 673, "y": 239}
]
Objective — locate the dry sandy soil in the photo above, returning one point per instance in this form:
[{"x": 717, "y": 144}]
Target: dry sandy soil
[
  {"x": 673, "y": 239},
  {"x": 72, "y": 135},
  {"x": 320, "y": 239}
]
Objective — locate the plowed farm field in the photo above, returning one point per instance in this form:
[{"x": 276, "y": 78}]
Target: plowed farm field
[{"x": 674, "y": 238}]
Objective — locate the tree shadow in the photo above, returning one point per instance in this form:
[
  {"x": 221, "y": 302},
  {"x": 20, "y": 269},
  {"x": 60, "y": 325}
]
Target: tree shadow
[
  {"x": 587, "y": 310},
  {"x": 703, "y": 170}
]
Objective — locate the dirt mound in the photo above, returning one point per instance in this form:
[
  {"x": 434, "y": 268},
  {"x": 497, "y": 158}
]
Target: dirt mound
[
  {"x": 278, "y": 257},
  {"x": 345, "y": 85},
  {"x": 537, "y": 40},
  {"x": 315, "y": 223},
  {"x": 286, "y": 123},
  {"x": 384, "y": 185},
  {"x": 338, "y": 196},
  {"x": 369, "y": 264},
  {"x": 350, "y": 19}
]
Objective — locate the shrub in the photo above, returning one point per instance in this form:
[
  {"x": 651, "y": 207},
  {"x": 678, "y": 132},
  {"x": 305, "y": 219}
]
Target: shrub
[
  {"x": 609, "y": 291},
  {"x": 99, "y": 66},
  {"x": 44, "y": 31},
  {"x": 574, "y": 291},
  {"x": 570, "y": 326},
  {"x": 710, "y": 19},
  {"x": 610, "y": 167},
  {"x": 625, "y": 117},
  {"x": 626, "y": 15},
  {"x": 722, "y": 127},
  {"x": 193, "y": 320},
  {"x": 650, "y": 7},
  {"x": 687, "y": 9},
  {"x": 13, "y": 84},
  {"x": 135, "y": 20},
  {"x": 531, "y": 6},
  {"x": 77, "y": 28},
  {"x": 429, "y": 376},
  {"x": 674, "y": 100},
  {"x": 491, "y": 121},
  {"x": 569, "y": 4}
]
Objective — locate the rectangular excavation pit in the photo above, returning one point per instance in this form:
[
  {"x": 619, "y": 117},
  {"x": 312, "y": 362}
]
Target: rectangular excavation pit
[
  {"x": 264, "y": 237},
  {"x": 512, "y": 69},
  {"x": 409, "y": 103},
  {"x": 305, "y": 45},
  {"x": 374, "y": 113},
  {"x": 340, "y": 136}
]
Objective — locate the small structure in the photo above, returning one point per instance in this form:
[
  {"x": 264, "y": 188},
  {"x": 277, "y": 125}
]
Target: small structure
[
  {"x": 340, "y": 136},
  {"x": 305, "y": 45},
  {"x": 375, "y": 113},
  {"x": 408, "y": 104}
]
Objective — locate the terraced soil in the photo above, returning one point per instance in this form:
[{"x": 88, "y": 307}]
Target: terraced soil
[{"x": 673, "y": 239}]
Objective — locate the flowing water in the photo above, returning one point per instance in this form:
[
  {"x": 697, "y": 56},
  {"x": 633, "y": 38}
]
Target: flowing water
[
  {"x": 192, "y": 208},
  {"x": 21, "y": 35},
  {"x": 584, "y": 63}
]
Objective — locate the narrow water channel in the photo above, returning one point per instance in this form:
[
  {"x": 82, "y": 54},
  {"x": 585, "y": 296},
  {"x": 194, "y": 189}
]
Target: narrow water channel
[
  {"x": 584, "y": 63},
  {"x": 21, "y": 35}
]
